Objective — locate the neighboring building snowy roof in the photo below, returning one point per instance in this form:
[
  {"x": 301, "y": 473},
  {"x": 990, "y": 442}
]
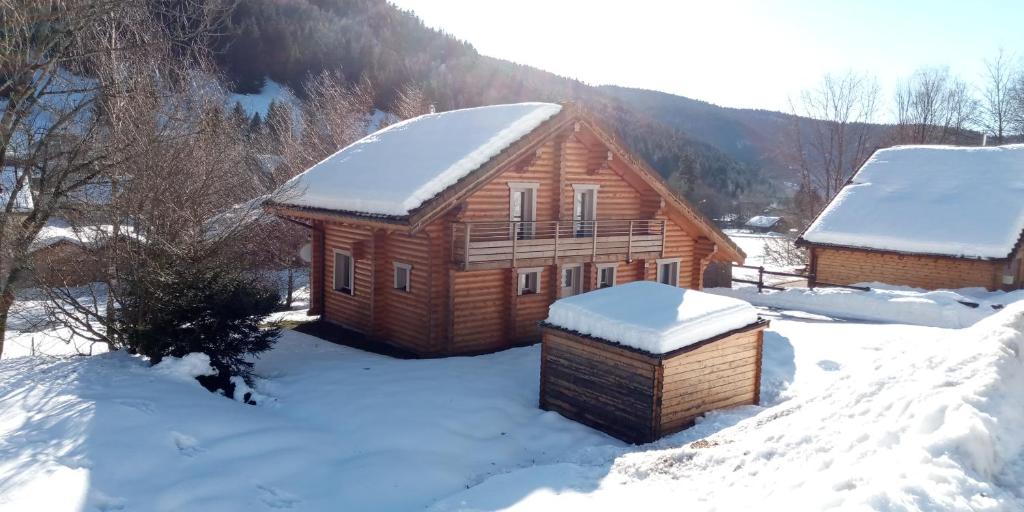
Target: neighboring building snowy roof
[
  {"x": 649, "y": 316},
  {"x": 763, "y": 221},
  {"x": 395, "y": 170},
  {"x": 8, "y": 178},
  {"x": 57, "y": 231},
  {"x": 944, "y": 200}
]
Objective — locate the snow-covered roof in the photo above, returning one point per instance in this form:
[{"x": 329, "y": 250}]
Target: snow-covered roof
[
  {"x": 57, "y": 231},
  {"x": 8, "y": 178},
  {"x": 944, "y": 200},
  {"x": 763, "y": 221},
  {"x": 650, "y": 316},
  {"x": 397, "y": 169}
]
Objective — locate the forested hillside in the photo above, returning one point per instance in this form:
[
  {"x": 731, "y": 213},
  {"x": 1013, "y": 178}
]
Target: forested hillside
[{"x": 290, "y": 40}]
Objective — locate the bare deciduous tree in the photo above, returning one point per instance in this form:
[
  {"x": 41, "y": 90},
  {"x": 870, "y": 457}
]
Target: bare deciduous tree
[
  {"x": 933, "y": 107},
  {"x": 838, "y": 138},
  {"x": 69, "y": 72},
  {"x": 996, "y": 105}
]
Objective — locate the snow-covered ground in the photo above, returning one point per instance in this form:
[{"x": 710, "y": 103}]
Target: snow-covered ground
[
  {"x": 853, "y": 416},
  {"x": 755, "y": 246}
]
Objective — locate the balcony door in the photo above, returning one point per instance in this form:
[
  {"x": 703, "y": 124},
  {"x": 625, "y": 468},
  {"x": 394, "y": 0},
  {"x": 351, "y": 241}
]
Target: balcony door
[
  {"x": 523, "y": 209},
  {"x": 584, "y": 209}
]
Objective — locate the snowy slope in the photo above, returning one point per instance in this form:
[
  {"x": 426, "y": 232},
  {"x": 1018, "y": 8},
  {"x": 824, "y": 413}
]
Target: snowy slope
[
  {"x": 853, "y": 417},
  {"x": 957, "y": 201},
  {"x": 395, "y": 170},
  {"x": 931, "y": 421},
  {"x": 649, "y": 316}
]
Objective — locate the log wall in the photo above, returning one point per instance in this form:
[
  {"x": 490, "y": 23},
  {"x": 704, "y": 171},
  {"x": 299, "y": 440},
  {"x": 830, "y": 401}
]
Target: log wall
[{"x": 849, "y": 266}]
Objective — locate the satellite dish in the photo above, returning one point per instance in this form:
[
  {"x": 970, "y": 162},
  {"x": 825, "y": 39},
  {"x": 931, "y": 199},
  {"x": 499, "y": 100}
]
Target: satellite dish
[{"x": 306, "y": 253}]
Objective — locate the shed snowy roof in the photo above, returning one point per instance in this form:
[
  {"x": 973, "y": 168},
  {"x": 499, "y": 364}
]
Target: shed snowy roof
[
  {"x": 649, "y": 316},
  {"x": 8, "y": 178},
  {"x": 395, "y": 170},
  {"x": 944, "y": 200},
  {"x": 763, "y": 221}
]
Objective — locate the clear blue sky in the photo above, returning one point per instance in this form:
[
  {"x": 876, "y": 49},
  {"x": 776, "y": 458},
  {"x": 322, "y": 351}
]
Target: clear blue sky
[{"x": 741, "y": 53}]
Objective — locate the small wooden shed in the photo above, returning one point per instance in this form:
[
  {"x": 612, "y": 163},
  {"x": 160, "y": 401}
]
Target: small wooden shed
[{"x": 644, "y": 360}]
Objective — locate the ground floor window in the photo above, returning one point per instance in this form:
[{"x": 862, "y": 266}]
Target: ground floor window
[
  {"x": 668, "y": 272},
  {"x": 529, "y": 281},
  {"x": 606, "y": 275},
  {"x": 571, "y": 280},
  {"x": 403, "y": 277},
  {"x": 344, "y": 272}
]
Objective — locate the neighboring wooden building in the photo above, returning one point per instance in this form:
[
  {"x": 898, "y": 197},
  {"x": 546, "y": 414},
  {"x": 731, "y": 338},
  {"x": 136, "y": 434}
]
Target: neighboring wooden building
[
  {"x": 452, "y": 233},
  {"x": 686, "y": 368},
  {"x": 764, "y": 224},
  {"x": 926, "y": 216}
]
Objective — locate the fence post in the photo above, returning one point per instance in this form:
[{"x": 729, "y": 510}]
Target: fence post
[{"x": 760, "y": 279}]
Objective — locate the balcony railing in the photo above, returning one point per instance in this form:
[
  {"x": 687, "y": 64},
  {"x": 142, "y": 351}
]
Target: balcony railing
[{"x": 506, "y": 243}]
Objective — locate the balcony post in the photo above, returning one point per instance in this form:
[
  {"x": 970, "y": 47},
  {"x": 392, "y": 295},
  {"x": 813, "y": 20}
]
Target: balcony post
[
  {"x": 593, "y": 233},
  {"x": 629, "y": 244},
  {"x": 515, "y": 235}
]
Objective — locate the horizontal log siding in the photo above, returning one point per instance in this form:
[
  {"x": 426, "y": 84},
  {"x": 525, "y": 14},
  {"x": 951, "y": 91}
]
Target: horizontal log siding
[
  {"x": 720, "y": 374},
  {"x": 353, "y": 311},
  {"x": 401, "y": 317},
  {"x": 849, "y": 266},
  {"x": 532, "y": 309},
  {"x": 679, "y": 244},
  {"x": 491, "y": 202},
  {"x": 605, "y": 387},
  {"x": 480, "y": 310}
]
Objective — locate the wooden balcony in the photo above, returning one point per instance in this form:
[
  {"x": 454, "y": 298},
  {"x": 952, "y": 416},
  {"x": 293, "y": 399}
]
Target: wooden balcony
[{"x": 500, "y": 244}]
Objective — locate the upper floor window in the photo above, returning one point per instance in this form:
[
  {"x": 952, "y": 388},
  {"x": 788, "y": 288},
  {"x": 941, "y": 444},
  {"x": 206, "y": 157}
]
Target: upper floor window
[{"x": 523, "y": 208}]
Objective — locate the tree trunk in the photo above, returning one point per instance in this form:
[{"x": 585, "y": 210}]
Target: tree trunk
[
  {"x": 6, "y": 301},
  {"x": 291, "y": 286}
]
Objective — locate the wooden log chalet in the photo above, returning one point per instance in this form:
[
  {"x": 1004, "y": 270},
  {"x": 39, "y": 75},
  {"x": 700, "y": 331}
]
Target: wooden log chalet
[
  {"x": 452, "y": 233},
  {"x": 928, "y": 217}
]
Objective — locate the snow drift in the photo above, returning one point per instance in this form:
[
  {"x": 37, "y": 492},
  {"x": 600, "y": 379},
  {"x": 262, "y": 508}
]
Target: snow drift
[{"x": 883, "y": 303}]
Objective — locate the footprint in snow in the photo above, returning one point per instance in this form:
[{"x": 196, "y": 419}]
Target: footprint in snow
[
  {"x": 143, "y": 406},
  {"x": 187, "y": 445},
  {"x": 829, "y": 366},
  {"x": 276, "y": 498}
]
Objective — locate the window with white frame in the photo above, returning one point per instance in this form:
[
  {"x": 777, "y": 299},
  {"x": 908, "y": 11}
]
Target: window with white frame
[
  {"x": 668, "y": 271},
  {"x": 606, "y": 275},
  {"x": 344, "y": 272},
  {"x": 403, "y": 277},
  {"x": 571, "y": 280},
  {"x": 529, "y": 281},
  {"x": 522, "y": 208}
]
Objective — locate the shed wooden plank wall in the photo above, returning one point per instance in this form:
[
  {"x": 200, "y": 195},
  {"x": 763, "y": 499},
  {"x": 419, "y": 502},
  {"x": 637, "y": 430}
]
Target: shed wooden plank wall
[
  {"x": 849, "y": 266},
  {"x": 598, "y": 385},
  {"x": 720, "y": 374}
]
